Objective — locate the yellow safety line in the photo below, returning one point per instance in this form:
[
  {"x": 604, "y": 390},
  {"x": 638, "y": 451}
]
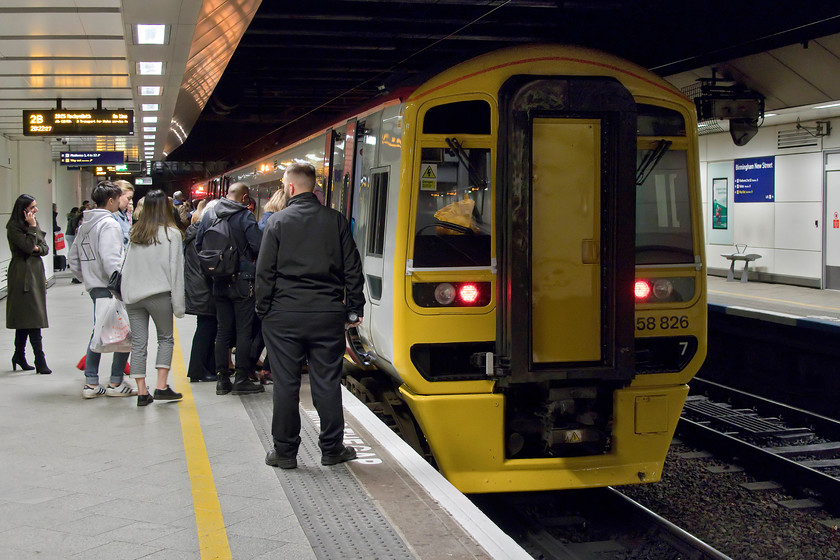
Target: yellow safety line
[
  {"x": 212, "y": 537},
  {"x": 796, "y": 303}
]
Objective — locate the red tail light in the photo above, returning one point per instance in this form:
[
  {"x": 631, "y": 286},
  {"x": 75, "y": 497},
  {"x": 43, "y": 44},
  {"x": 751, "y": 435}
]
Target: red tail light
[
  {"x": 641, "y": 289},
  {"x": 468, "y": 293}
]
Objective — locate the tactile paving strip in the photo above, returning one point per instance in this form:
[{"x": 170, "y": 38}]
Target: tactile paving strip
[{"x": 335, "y": 512}]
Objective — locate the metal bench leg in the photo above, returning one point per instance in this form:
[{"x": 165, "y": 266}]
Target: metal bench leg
[
  {"x": 745, "y": 272},
  {"x": 730, "y": 276}
]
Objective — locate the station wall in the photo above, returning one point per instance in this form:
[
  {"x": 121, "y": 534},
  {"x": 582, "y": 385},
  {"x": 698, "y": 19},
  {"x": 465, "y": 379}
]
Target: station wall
[
  {"x": 25, "y": 167},
  {"x": 788, "y": 232}
]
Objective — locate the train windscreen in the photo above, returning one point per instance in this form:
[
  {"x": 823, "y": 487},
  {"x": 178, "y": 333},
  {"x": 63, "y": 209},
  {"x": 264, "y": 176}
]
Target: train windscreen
[
  {"x": 663, "y": 208},
  {"x": 454, "y": 209}
]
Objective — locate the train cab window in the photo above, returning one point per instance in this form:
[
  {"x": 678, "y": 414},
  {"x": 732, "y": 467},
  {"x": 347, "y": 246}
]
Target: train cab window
[
  {"x": 454, "y": 215},
  {"x": 461, "y": 117},
  {"x": 658, "y": 121},
  {"x": 663, "y": 211}
]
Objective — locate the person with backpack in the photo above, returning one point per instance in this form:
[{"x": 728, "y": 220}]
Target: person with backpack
[{"x": 228, "y": 242}]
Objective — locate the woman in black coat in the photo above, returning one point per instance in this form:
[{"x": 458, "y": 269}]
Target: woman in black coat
[
  {"x": 199, "y": 302},
  {"x": 26, "y": 302}
]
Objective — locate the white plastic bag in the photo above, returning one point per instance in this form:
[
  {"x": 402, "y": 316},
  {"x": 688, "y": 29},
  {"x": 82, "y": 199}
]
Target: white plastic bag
[{"x": 111, "y": 332}]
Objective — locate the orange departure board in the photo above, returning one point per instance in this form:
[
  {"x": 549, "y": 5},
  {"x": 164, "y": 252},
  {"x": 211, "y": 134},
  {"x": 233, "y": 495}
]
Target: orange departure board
[{"x": 91, "y": 122}]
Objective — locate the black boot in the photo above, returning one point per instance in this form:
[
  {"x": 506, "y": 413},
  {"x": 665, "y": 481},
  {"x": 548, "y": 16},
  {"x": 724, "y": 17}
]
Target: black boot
[
  {"x": 242, "y": 384},
  {"x": 38, "y": 347},
  {"x": 223, "y": 384},
  {"x": 19, "y": 357}
]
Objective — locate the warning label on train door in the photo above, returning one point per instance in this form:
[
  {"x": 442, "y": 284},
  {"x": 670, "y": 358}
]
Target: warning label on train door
[{"x": 428, "y": 177}]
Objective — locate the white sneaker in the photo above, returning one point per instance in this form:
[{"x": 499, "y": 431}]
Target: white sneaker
[
  {"x": 121, "y": 390},
  {"x": 93, "y": 392}
]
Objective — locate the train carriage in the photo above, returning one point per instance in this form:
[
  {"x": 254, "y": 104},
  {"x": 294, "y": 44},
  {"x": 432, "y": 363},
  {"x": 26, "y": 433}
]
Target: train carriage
[{"x": 529, "y": 224}]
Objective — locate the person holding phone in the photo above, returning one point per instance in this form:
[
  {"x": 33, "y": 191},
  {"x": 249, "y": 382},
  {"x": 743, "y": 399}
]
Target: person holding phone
[{"x": 26, "y": 302}]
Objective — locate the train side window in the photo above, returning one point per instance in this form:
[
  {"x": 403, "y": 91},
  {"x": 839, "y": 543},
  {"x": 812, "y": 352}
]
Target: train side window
[
  {"x": 379, "y": 200},
  {"x": 461, "y": 117},
  {"x": 454, "y": 208}
]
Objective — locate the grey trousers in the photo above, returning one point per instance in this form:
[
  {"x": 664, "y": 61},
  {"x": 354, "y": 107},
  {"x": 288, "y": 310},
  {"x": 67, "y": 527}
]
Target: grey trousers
[{"x": 159, "y": 308}]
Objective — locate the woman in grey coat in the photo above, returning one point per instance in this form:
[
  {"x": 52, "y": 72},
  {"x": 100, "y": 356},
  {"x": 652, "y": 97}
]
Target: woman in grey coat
[{"x": 26, "y": 302}]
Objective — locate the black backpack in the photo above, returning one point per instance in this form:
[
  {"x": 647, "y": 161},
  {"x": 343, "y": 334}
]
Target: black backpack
[{"x": 219, "y": 256}]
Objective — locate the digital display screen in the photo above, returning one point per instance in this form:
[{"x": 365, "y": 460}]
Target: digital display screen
[{"x": 92, "y": 122}]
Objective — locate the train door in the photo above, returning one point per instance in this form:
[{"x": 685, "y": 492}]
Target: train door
[
  {"x": 566, "y": 220},
  {"x": 831, "y": 273},
  {"x": 341, "y": 171}
]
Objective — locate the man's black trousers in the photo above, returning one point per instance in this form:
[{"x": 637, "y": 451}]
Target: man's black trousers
[
  {"x": 235, "y": 318},
  {"x": 291, "y": 338}
]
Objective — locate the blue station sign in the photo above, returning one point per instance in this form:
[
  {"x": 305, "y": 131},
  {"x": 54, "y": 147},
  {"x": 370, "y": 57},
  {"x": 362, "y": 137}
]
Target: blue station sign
[{"x": 755, "y": 179}]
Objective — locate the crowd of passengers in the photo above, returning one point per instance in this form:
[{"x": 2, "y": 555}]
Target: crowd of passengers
[{"x": 294, "y": 287}]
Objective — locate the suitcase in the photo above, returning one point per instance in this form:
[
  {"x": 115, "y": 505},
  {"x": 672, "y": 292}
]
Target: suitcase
[{"x": 59, "y": 262}]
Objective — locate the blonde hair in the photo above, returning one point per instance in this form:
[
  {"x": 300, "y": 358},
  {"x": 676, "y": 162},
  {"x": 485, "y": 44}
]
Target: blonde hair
[
  {"x": 138, "y": 211},
  {"x": 199, "y": 210},
  {"x": 277, "y": 201},
  {"x": 157, "y": 211},
  {"x": 124, "y": 185}
]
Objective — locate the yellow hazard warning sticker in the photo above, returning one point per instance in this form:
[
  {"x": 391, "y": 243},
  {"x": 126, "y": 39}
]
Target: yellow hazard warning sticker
[
  {"x": 573, "y": 436},
  {"x": 428, "y": 177}
]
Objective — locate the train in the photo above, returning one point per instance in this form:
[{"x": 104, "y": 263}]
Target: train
[{"x": 530, "y": 226}]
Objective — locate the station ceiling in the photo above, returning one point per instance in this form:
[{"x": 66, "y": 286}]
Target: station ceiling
[{"x": 244, "y": 76}]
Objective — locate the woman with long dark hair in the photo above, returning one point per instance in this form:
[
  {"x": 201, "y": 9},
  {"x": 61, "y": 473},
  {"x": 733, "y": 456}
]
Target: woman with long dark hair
[
  {"x": 26, "y": 302},
  {"x": 153, "y": 286}
]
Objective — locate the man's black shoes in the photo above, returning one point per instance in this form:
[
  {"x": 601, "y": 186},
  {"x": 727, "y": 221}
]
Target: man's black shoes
[
  {"x": 223, "y": 384},
  {"x": 275, "y": 460},
  {"x": 247, "y": 387},
  {"x": 347, "y": 454}
]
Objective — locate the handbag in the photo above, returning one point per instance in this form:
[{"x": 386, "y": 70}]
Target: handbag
[{"x": 115, "y": 281}]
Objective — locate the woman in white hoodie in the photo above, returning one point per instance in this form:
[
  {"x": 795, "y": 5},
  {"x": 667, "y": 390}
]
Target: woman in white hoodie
[{"x": 153, "y": 286}]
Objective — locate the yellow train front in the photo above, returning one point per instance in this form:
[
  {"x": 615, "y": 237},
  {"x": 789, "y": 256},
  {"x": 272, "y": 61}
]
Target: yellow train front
[
  {"x": 548, "y": 300},
  {"x": 530, "y": 227}
]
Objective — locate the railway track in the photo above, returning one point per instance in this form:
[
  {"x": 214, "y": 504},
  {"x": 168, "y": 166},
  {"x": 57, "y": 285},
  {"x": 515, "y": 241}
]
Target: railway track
[
  {"x": 788, "y": 445},
  {"x": 596, "y": 524}
]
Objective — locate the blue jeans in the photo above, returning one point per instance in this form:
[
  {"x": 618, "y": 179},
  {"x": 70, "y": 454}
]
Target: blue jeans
[{"x": 92, "y": 358}]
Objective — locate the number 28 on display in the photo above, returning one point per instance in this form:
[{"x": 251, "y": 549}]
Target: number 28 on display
[{"x": 665, "y": 323}]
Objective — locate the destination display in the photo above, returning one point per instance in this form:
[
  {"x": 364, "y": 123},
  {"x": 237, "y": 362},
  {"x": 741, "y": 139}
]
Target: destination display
[
  {"x": 91, "y": 158},
  {"x": 92, "y": 122}
]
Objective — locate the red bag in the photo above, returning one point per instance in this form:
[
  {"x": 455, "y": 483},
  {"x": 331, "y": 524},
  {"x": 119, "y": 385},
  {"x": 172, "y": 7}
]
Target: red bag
[
  {"x": 81, "y": 365},
  {"x": 58, "y": 241}
]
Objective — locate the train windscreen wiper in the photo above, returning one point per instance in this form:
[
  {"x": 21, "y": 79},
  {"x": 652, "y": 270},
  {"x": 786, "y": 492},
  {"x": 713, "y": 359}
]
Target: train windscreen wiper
[
  {"x": 475, "y": 179},
  {"x": 651, "y": 160}
]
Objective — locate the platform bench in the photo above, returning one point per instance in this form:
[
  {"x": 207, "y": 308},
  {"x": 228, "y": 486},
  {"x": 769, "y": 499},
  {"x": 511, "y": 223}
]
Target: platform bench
[{"x": 733, "y": 257}]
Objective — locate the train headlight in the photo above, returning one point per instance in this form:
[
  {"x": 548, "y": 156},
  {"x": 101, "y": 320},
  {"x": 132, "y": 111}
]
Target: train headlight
[
  {"x": 641, "y": 289},
  {"x": 663, "y": 288},
  {"x": 445, "y": 293}
]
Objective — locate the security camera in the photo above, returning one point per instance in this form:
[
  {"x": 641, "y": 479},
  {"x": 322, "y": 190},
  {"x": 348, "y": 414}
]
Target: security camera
[{"x": 64, "y": 142}]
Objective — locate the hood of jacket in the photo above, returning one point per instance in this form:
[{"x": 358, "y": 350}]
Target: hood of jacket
[
  {"x": 226, "y": 207},
  {"x": 93, "y": 217}
]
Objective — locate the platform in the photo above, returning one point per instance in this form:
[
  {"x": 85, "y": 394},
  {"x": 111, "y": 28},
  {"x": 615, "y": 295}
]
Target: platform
[
  {"x": 777, "y": 302},
  {"x": 102, "y": 478}
]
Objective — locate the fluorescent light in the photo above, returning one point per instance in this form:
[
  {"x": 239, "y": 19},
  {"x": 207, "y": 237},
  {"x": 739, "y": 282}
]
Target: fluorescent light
[
  {"x": 150, "y": 68},
  {"x": 149, "y": 106},
  {"x": 148, "y": 137},
  {"x": 826, "y": 106},
  {"x": 770, "y": 115},
  {"x": 151, "y": 119},
  {"x": 149, "y": 143},
  {"x": 149, "y": 129},
  {"x": 151, "y": 34},
  {"x": 150, "y": 90}
]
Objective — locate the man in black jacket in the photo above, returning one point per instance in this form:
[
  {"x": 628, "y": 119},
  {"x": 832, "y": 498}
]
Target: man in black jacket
[
  {"x": 234, "y": 295},
  {"x": 309, "y": 285}
]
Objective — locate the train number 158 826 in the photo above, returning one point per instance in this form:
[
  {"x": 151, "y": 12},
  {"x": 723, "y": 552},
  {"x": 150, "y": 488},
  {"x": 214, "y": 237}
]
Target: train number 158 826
[{"x": 666, "y": 322}]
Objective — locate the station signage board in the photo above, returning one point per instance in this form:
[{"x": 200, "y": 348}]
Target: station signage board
[
  {"x": 143, "y": 181},
  {"x": 92, "y": 158},
  {"x": 91, "y": 122},
  {"x": 755, "y": 179}
]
